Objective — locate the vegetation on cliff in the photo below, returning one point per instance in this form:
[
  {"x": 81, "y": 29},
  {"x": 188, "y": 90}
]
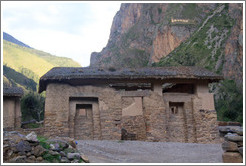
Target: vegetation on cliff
[{"x": 205, "y": 47}]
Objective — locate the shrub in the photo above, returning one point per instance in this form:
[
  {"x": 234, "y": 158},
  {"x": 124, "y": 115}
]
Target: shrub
[
  {"x": 32, "y": 106},
  {"x": 229, "y": 104}
]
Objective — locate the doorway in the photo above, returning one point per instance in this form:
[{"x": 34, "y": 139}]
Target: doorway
[
  {"x": 176, "y": 122},
  {"x": 83, "y": 122}
]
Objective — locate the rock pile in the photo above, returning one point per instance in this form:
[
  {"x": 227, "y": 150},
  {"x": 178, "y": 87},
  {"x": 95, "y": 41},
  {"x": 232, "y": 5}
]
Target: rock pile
[
  {"x": 233, "y": 144},
  {"x": 18, "y": 148}
]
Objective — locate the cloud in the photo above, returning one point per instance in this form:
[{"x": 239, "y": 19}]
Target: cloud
[{"x": 69, "y": 29}]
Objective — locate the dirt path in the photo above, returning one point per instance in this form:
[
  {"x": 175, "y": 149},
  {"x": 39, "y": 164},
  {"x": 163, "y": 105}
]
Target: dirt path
[{"x": 150, "y": 152}]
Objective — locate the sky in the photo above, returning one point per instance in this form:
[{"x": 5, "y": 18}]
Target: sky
[{"x": 67, "y": 29}]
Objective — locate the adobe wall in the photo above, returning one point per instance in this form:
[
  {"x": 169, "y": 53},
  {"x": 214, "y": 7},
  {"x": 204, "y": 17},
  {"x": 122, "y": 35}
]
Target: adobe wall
[{"x": 11, "y": 113}]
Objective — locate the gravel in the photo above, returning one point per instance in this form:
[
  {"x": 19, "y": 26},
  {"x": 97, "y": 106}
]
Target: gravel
[{"x": 149, "y": 152}]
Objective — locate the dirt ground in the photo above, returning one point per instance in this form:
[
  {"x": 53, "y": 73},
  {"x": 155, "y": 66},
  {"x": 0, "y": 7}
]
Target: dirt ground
[{"x": 149, "y": 152}]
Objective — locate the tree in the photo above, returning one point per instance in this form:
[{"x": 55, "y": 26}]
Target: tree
[
  {"x": 32, "y": 106},
  {"x": 229, "y": 104}
]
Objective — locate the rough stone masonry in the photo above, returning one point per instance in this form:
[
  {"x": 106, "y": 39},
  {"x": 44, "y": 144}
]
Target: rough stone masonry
[{"x": 170, "y": 104}]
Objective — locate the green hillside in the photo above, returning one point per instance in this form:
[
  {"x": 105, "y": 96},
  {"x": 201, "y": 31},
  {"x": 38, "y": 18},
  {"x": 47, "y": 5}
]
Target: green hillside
[
  {"x": 29, "y": 63},
  {"x": 13, "y": 78}
]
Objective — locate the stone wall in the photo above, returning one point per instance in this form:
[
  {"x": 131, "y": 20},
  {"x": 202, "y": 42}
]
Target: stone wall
[
  {"x": 154, "y": 115},
  {"x": 58, "y": 110},
  {"x": 11, "y": 113},
  {"x": 183, "y": 118},
  {"x": 232, "y": 143},
  {"x": 147, "y": 115},
  {"x": 132, "y": 117}
]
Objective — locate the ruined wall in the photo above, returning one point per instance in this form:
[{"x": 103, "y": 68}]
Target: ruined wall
[
  {"x": 132, "y": 117},
  {"x": 59, "y": 111},
  {"x": 205, "y": 115},
  {"x": 154, "y": 115},
  {"x": 11, "y": 113},
  {"x": 100, "y": 113},
  {"x": 180, "y": 124}
]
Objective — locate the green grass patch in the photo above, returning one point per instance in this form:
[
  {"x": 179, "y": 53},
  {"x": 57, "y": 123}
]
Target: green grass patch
[
  {"x": 51, "y": 158},
  {"x": 43, "y": 142}
]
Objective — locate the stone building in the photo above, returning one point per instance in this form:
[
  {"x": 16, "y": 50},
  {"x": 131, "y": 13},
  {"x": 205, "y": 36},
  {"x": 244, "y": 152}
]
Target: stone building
[
  {"x": 12, "y": 108},
  {"x": 170, "y": 104}
]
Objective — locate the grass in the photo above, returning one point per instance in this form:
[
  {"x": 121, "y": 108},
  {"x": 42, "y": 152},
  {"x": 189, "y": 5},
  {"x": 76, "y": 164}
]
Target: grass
[
  {"x": 43, "y": 142},
  {"x": 51, "y": 158},
  {"x": 17, "y": 58}
]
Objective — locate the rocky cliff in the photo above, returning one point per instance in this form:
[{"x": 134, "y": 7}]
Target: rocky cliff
[
  {"x": 144, "y": 33},
  {"x": 207, "y": 35},
  {"x": 233, "y": 65}
]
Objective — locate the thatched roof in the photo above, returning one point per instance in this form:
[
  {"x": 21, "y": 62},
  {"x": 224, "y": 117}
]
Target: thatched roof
[
  {"x": 13, "y": 91},
  {"x": 92, "y": 75}
]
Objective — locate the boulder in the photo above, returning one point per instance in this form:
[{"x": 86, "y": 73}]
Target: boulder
[
  {"x": 53, "y": 153},
  {"x": 23, "y": 146},
  {"x": 18, "y": 159},
  {"x": 232, "y": 157},
  {"x": 39, "y": 159},
  {"x": 229, "y": 146},
  {"x": 32, "y": 137},
  {"x": 64, "y": 160},
  {"x": 28, "y": 154},
  {"x": 55, "y": 147},
  {"x": 38, "y": 151},
  {"x": 72, "y": 156},
  {"x": 75, "y": 161},
  {"x": 234, "y": 138},
  {"x": 14, "y": 136},
  {"x": 32, "y": 157},
  {"x": 224, "y": 129},
  {"x": 240, "y": 149},
  {"x": 63, "y": 154},
  {"x": 240, "y": 131},
  {"x": 84, "y": 158},
  {"x": 69, "y": 140},
  {"x": 58, "y": 145},
  {"x": 240, "y": 143}
]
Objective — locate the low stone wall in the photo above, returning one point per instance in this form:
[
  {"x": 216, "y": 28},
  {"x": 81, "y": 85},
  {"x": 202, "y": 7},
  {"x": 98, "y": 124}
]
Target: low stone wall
[
  {"x": 233, "y": 142},
  {"x": 19, "y": 148}
]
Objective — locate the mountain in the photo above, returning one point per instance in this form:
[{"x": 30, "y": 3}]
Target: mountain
[
  {"x": 151, "y": 34},
  {"x": 11, "y": 78},
  {"x": 23, "y": 66},
  {"x": 10, "y": 38},
  {"x": 208, "y": 35}
]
